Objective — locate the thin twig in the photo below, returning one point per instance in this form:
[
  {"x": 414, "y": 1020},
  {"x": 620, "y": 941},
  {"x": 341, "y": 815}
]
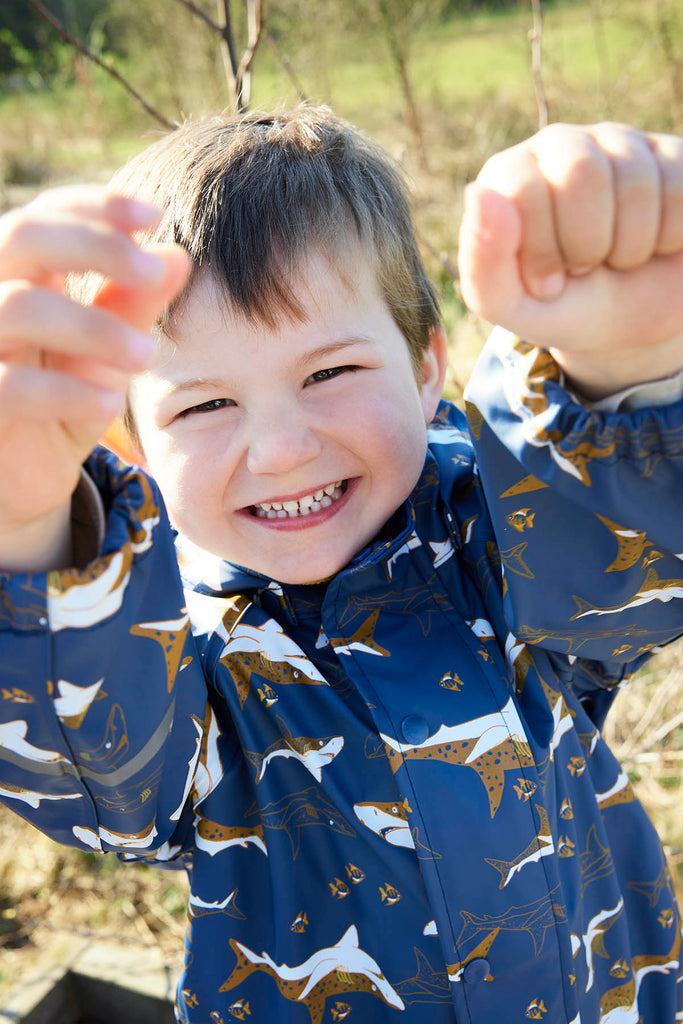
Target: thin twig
[
  {"x": 286, "y": 64},
  {"x": 536, "y": 40},
  {"x": 72, "y": 41},
  {"x": 201, "y": 14}
]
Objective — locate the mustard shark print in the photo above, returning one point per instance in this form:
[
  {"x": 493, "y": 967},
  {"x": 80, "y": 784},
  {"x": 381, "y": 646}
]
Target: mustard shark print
[
  {"x": 514, "y": 562},
  {"x": 334, "y": 971},
  {"x": 479, "y": 952},
  {"x": 535, "y": 918},
  {"x": 524, "y": 486},
  {"x": 77, "y": 599},
  {"x": 596, "y": 861},
  {"x": 209, "y": 768},
  {"x": 315, "y": 753},
  {"x": 540, "y": 846},
  {"x": 620, "y": 793},
  {"x": 490, "y": 745},
  {"x": 198, "y": 907},
  {"x": 362, "y": 640},
  {"x": 619, "y": 1005},
  {"x": 212, "y": 838},
  {"x": 653, "y": 890},
  {"x": 389, "y": 820},
  {"x": 653, "y": 589},
  {"x": 631, "y": 545},
  {"x": 74, "y": 702},
  {"x": 268, "y": 652},
  {"x": 172, "y": 636},
  {"x": 593, "y": 939}
]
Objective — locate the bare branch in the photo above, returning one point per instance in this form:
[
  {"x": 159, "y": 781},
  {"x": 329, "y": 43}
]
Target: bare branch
[
  {"x": 536, "y": 38},
  {"x": 286, "y": 64},
  {"x": 228, "y": 52},
  {"x": 201, "y": 14},
  {"x": 254, "y": 25},
  {"x": 77, "y": 45}
]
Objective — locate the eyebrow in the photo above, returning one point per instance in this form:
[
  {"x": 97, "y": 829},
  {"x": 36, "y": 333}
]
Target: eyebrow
[{"x": 214, "y": 383}]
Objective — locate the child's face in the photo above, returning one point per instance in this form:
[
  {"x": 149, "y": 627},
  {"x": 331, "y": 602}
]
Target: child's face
[{"x": 324, "y": 417}]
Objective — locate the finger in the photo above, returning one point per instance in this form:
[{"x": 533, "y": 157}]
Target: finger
[
  {"x": 490, "y": 238},
  {"x": 34, "y": 317},
  {"x": 98, "y": 203},
  {"x": 47, "y": 395},
  {"x": 579, "y": 177},
  {"x": 140, "y": 307},
  {"x": 668, "y": 152},
  {"x": 515, "y": 174},
  {"x": 637, "y": 192},
  {"x": 37, "y": 245}
]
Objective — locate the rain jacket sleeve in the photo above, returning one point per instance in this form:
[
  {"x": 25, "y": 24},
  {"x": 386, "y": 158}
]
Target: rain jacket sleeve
[
  {"x": 586, "y": 509},
  {"x": 102, "y": 697}
]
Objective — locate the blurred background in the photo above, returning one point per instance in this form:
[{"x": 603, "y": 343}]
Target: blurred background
[{"x": 442, "y": 84}]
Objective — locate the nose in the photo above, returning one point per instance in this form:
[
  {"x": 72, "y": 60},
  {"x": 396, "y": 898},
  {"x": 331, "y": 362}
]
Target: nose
[{"x": 280, "y": 443}]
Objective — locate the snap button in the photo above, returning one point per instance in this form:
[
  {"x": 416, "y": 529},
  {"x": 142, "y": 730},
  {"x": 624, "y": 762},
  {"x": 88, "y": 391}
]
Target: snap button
[
  {"x": 415, "y": 729},
  {"x": 476, "y": 971}
]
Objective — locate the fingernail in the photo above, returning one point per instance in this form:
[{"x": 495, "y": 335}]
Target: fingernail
[
  {"x": 149, "y": 266},
  {"x": 550, "y": 287}
]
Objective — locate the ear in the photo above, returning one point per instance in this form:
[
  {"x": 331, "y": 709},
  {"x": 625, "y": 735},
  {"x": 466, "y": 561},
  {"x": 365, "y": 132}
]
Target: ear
[
  {"x": 117, "y": 440},
  {"x": 433, "y": 372}
]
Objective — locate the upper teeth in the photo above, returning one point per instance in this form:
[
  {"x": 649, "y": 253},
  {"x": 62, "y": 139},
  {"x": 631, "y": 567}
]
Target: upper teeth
[{"x": 302, "y": 506}]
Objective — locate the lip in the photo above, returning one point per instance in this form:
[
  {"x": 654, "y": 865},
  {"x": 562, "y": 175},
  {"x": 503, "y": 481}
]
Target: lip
[{"x": 303, "y": 522}]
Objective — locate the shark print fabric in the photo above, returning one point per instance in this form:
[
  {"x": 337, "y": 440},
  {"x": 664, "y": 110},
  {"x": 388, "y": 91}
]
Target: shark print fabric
[{"x": 390, "y": 790}]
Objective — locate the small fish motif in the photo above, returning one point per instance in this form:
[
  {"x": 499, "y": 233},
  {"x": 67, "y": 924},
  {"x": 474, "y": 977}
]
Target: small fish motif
[
  {"x": 300, "y": 922},
  {"x": 339, "y": 889},
  {"x": 621, "y": 650},
  {"x": 355, "y": 874},
  {"x": 451, "y": 681},
  {"x": 536, "y": 1010},
  {"x": 17, "y": 696},
  {"x": 484, "y": 654},
  {"x": 267, "y": 695},
  {"x": 215, "y": 1016},
  {"x": 145, "y": 795},
  {"x": 521, "y": 520},
  {"x": 565, "y": 847},
  {"x": 572, "y": 979},
  {"x": 666, "y": 918},
  {"x": 577, "y": 766},
  {"x": 189, "y": 997},
  {"x": 566, "y": 809},
  {"x": 525, "y": 789},
  {"x": 650, "y": 557},
  {"x": 389, "y": 894},
  {"x": 619, "y": 969},
  {"x": 340, "y": 1011},
  {"x": 240, "y": 1010}
]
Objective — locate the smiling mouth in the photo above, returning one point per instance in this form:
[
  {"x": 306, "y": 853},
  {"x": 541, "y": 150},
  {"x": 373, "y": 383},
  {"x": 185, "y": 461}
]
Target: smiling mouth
[{"x": 303, "y": 506}]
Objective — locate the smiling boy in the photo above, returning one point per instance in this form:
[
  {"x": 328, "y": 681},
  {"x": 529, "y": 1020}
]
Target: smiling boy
[{"x": 370, "y": 726}]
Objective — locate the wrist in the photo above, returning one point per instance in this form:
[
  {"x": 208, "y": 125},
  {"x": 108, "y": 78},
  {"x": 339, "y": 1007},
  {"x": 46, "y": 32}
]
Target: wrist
[{"x": 598, "y": 374}]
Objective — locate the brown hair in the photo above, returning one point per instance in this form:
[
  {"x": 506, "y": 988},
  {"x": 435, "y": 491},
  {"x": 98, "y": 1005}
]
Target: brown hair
[{"x": 248, "y": 196}]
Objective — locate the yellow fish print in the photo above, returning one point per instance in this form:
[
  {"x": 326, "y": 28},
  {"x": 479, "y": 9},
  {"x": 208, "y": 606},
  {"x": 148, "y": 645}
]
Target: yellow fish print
[
  {"x": 565, "y": 847},
  {"x": 340, "y": 1011},
  {"x": 216, "y": 1017},
  {"x": 521, "y": 520},
  {"x": 577, "y": 766},
  {"x": 566, "y": 810},
  {"x": 300, "y": 922},
  {"x": 389, "y": 894},
  {"x": 619, "y": 969},
  {"x": 451, "y": 681},
  {"x": 267, "y": 695},
  {"x": 355, "y": 874},
  {"x": 525, "y": 789},
  {"x": 536, "y": 1010},
  {"x": 189, "y": 997},
  {"x": 339, "y": 889},
  {"x": 666, "y": 918},
  {"x": 240, "y": 1010},
  {"x": 17, "y": 696}
]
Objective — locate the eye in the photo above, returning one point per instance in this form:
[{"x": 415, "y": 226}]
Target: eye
[
  {"x": 329, "y": 373},
  {"x": 210, "y": 406}
]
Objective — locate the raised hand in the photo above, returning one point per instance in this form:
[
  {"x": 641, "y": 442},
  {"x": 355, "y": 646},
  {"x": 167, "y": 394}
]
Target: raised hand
[
  {"x": 574, "y": 240},
  {"x": 65, "y": 367}
]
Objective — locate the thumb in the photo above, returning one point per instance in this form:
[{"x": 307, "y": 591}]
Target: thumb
[{"x": 488, "y": 257}]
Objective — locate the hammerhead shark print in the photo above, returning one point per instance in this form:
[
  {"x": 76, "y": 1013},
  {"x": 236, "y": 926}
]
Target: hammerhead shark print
[{"x": 335, "y": 971}]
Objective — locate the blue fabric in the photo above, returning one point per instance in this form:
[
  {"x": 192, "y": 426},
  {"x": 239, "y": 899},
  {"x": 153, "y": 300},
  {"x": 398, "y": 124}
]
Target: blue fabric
[{"x": 396, "y": 804}]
